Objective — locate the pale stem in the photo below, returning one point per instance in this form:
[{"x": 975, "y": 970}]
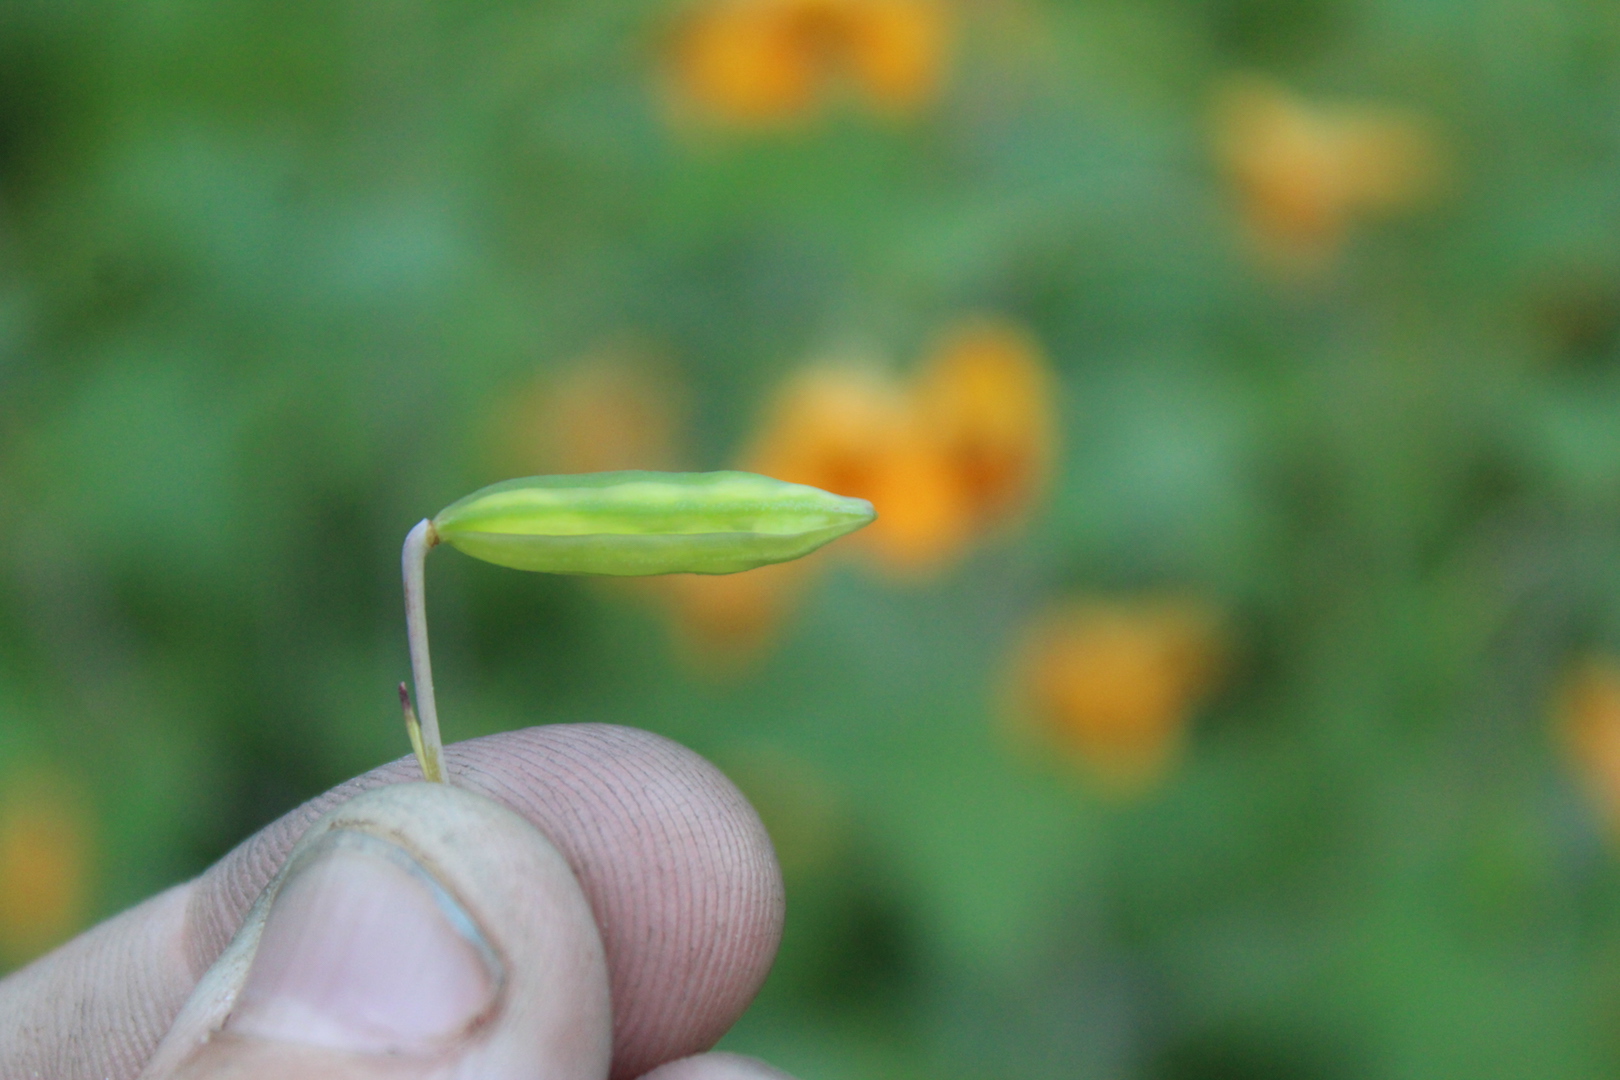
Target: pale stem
[{"x": 418, "y": 542}]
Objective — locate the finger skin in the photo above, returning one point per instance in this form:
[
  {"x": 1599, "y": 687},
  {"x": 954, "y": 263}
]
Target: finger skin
[
  {"x": 678, "y": 871},
  {"x": 550, "y": 1015},
  {"x": 96, "y": 1006},
  {"x": 718, "y": 1066}
]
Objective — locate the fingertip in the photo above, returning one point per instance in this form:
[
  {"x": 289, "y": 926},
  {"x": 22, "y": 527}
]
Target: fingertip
[{"x": 675, "y": 862}]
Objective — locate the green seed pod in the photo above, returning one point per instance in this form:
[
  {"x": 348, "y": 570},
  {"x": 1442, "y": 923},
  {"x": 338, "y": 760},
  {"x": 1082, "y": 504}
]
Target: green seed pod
[{"x": 634, "y": 523}]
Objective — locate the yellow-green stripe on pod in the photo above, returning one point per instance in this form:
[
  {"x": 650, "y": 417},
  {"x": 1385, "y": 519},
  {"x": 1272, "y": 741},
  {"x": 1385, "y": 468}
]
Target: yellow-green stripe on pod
[{"x": 634, "y": 523}]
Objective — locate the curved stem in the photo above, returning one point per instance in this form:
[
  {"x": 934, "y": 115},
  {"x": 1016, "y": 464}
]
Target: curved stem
[{"x": 418, "y": 542}]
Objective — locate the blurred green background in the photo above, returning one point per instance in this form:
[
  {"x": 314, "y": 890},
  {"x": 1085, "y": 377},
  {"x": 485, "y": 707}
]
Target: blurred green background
[{"x": 273, "y": 274}]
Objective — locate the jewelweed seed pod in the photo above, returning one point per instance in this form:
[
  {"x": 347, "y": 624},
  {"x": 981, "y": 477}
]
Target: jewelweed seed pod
[{"x": 636, "y": 523}]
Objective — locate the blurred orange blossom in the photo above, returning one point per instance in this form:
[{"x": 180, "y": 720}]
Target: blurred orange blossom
[
  {"x": 1302, "y": 172},
  {"x": 45, "y": 864},
  {"x": 856, "y": 431},
  {"x": 764, "y": 62},
  {"x": 1587, "y": 710},
  {"x": 986, "y": 397},
  {"x": 961, "y": 451},
  {"x": 1111, "y": 684}
]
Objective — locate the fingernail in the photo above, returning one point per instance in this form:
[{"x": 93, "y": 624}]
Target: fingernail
[{"x": 364, "y": 951}]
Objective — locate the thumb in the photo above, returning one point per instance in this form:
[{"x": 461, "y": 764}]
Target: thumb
[{"x": 418, "y": 931}]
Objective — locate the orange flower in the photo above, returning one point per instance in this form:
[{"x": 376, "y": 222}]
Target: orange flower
[
  {"x": 44, "y": 865},
  {"x": 612, "y": 409},
  {"x": 897, "y": 50},
  {"x": 986, "y": 396},
  {"x": 1112, "y": 684},
  {"x": 1588, "y": 712},
  {"x": 821, "y": 432},
  {"x": 964, "y": 450},
  {"x": 842, "y": 428},
  {"x": 853, "y": 431},
  {"x": 1303, "y": 172},
  {"x": 770, "y": 61}
]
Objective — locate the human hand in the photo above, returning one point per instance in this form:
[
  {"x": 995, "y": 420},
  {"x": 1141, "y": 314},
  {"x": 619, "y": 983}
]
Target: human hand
[{"x": 390, "y": 929}]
